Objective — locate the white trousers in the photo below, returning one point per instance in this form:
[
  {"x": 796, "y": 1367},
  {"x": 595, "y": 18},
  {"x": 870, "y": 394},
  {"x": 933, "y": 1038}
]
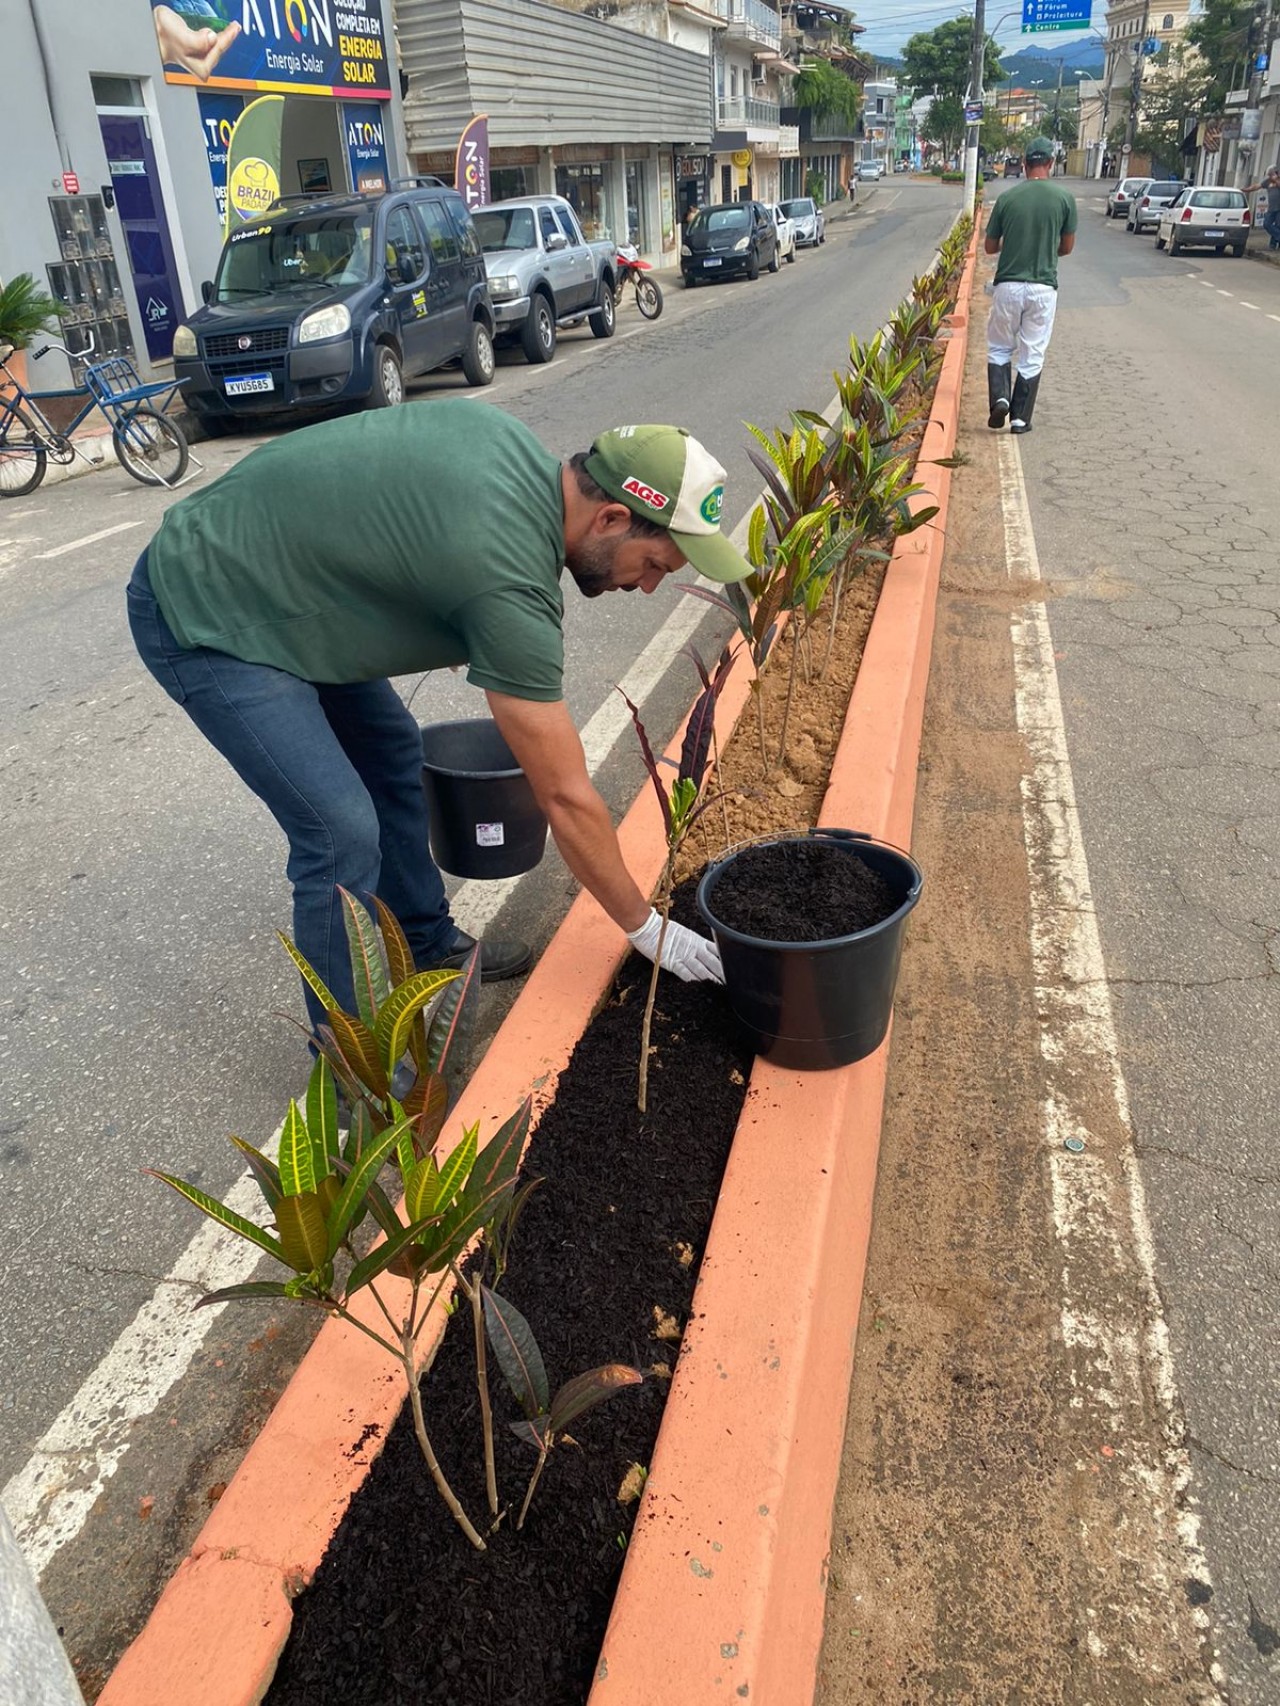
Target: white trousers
[{"x": 1020, "y": 326}]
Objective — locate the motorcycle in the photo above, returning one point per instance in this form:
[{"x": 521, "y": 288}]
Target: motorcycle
[{"x": 632, "y": 270}]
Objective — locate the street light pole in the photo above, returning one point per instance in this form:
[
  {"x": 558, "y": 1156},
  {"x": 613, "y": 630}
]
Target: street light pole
[{"x": 976, "y": 79}]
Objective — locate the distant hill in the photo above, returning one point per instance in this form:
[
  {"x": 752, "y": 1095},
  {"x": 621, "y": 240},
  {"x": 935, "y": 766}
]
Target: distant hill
[{"x": 1024, "y": 65}]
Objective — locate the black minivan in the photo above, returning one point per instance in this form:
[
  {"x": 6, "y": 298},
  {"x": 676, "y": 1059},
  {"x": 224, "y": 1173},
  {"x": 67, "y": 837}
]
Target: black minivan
[{"x": 337, "y": 299}]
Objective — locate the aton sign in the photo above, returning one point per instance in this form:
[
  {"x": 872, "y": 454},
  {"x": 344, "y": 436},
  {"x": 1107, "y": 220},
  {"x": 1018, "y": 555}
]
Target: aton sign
[
  {"x": 1040, "y": 16},
  {"x": 471, "y": 164},
  {"x": 285, "y": 47}
]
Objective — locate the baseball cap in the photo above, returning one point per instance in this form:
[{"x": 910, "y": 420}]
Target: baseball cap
[
  {"x": 666, "y": 476},
  {"x": 1039, "y": 148}
]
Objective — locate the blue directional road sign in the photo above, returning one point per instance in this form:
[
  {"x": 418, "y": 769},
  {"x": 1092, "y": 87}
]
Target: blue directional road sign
[{"x": 1040, "y": 16}]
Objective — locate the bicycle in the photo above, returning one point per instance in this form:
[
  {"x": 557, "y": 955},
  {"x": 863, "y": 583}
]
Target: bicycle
[{"x": 147, "y": 443}]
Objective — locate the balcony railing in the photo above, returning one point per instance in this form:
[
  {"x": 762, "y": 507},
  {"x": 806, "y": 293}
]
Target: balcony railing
[
  {"x": 744, "y": 113},
  {"x": 789, "y": 139},
  {"x": 829, "y": 129},
  {"x": 753, "y": 21}
]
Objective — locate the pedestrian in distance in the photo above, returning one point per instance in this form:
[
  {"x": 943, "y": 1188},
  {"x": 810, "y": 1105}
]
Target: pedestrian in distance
[
  {"x": 1030, "y": 228},
  {"x": 274, "y": 605},
  {"x": 1271, "y": 219}
]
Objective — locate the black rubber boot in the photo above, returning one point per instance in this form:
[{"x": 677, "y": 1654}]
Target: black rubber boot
[
  {"x": 999, "y": 386},
  {"x": 498, "y": 960},
  {"x": 1024, "y": 402}
]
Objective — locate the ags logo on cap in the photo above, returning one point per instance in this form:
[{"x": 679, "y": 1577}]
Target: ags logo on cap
[
  {"x": 712, "y": 505},
  {"x": 646, "y": 494}
]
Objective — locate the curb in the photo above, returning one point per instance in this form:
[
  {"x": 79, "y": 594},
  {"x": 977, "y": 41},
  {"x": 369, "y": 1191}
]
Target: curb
[
  {"x": 218, "y": 1629},
  {"x": 724, "y": 1590}
]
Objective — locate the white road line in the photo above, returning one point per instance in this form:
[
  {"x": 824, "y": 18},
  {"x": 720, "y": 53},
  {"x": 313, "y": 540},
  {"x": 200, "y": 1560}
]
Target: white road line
[
  {"x": 89, "y": 539},
  {"x": 1208, "y": 283},
  {"x": 1224, "y": 292},
  {"x": 49, "y": 1500},
  {"x": 1275, "y": 317},
  {"x": 1118, "y": 1355},
  {"x": 1252, "y": 305}
]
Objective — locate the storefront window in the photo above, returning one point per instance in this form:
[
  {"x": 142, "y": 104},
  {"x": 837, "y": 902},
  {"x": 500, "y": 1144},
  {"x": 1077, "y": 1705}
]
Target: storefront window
[
  {"x": 508, "y": 181},
  {"x": 583, "y": 188},
  {"x": 637, "y": 203}
]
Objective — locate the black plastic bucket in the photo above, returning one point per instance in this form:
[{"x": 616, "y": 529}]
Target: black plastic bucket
[
  {"x": 484, "y": 819},
  {"x": 816, "y": 1005}
]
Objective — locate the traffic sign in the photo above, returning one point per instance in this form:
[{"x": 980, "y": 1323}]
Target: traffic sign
[
  {"x": 70, "y": 184},
  {"x": 1040, "y": 16}
]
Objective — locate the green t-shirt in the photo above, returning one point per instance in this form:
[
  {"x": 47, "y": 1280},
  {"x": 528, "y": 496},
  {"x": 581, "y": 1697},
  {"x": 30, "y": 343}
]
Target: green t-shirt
[
  {"x": 1031, "y": 220},
  {"x": 376, "y": 545}
]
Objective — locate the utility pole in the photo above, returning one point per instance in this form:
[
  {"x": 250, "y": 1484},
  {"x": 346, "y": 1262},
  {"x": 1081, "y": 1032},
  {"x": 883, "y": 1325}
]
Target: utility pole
[
  {"x": 976, "y": 77},
  {"x": 1135, "y": 87},
  {"x": 1057, "y": 102}
]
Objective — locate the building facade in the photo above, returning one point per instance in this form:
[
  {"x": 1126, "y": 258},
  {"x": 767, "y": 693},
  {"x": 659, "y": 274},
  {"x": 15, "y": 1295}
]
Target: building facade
[
  {"x": 879, "y": 120},
  {"x": 116, "y": 198}
]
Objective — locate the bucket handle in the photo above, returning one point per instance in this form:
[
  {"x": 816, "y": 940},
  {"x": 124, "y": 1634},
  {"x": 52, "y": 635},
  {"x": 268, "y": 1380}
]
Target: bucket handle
[{"x": 815, "y": 831}]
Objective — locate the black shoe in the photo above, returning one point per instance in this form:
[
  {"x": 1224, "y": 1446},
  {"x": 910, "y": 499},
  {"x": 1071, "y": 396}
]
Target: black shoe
[
  {"x": 1024, "y": 402},
  {"x": 498, "y": 960},
  {"x": 999, "y": 383}
]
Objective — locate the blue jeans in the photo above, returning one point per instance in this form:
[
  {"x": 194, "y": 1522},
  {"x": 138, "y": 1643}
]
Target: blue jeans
[
  {"x": 340, "y": 770},
  {"x": 1271, "y": 225}
]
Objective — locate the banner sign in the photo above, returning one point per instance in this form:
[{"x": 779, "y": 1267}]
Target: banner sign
[
  {"x": 471, "y": 163},
  {"x": 218, "y": 115},
  {"x": 1040, "y": 16},
  {"x": 253, "y": 160},
  {"x": 364, "y": 129},
  {"x": 286, "y": 47}
]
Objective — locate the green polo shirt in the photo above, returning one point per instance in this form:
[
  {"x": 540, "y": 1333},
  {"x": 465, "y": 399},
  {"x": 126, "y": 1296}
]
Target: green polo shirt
[
  {"x": 379, "y": 544},
  {"x": 1031, "y": 220}
]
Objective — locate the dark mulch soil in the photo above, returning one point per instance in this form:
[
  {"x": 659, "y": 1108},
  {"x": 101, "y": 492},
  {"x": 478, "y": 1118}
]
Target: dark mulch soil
[
  {"x": 801, "y": 891},
  {"x": 403, "y": 1612}
]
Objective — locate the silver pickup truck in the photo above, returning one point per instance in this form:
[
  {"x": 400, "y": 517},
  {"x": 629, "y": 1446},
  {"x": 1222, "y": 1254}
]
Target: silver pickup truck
[{"x": 543, "y": 273}]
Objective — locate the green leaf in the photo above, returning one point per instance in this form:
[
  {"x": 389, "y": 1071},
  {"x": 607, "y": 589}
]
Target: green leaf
[
  {"x": 421, "y": 1189},
  {"x": 499, "y": 1160},
  {"x": 375, "y": 1198},
  {"x": 400, "y": 965},
  {"x": 303, "y": 1237},
  {"x": 517, "y": 1352},
  {"x": 222, "y": 1214},
  {"x": 755, "y": 535},
  {"x": 297, "y": 1170},
  {"x": 355, "y": 1185},
  {"x": 452, "y": 1023},
  {"x": 318, "y": 988},
  {"x": 359, "y": 1132},
  {"x": 457, "y": 1169},
  {"x": 399, "y": 1009},
  {"x": 322, "y": 1116},
  {"x": 585, "y": 1391},
  {"x": 378, "y": 1260},
  {"x": 253, "y": 1288},
  {"x": 367, "y": 969},
  {"x": 264, "y": 1171}
]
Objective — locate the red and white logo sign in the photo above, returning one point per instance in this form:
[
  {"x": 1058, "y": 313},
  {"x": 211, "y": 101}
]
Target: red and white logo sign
[
  {"x": 646, "y": 494},
  {"x": 70, "y": 184}
]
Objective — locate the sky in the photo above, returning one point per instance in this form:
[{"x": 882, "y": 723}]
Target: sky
[{"x": 889, "y": 23}]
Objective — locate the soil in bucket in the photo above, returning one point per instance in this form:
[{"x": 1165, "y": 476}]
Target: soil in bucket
[{"x": 802, "y": 891}]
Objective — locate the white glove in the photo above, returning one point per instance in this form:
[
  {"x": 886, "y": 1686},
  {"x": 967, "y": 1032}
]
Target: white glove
[{"x": 691, "y": 957}]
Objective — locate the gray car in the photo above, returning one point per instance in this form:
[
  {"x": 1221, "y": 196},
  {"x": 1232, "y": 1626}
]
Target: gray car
[
  {"x": 1118, "y": 201},
  {"x": 1144, "y": 209},
  {"x": 806, "y": 216}
]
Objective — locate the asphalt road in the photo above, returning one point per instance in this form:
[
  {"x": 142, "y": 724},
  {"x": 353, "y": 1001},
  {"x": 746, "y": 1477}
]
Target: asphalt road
[
  {"x": 140, "y": 982},
  {"x": 1151, "y": 476}
]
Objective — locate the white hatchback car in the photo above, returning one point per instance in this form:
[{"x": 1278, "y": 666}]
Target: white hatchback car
[
  {"x": 807, "y": 218},
  {"x": 786, "y": 232},
  {"x": 1205, "y": 219}
]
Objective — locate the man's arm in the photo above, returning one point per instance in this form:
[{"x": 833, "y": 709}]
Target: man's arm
[
  {"x": 991, "y": 245},
  {"x": 1066, "y": 242},
  {"x": 546, "y": 747}
]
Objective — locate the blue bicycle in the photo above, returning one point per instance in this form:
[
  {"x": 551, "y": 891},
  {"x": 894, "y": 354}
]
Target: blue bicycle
[{"x": 147, "y": 443}]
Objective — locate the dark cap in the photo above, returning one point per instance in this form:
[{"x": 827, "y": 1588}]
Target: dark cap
[{"x": 1038, "y": 150}]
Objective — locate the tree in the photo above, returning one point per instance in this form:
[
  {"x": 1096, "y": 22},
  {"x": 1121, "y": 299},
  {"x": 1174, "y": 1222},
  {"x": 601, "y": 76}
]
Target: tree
[
  {"x": 995, "y": 136},
  {"x": 828, "y": 93},
  {"x": 1220, "y": 32},
  {"x": 944, "y": 58},
  {"x": 944, "y": 124},
  {"x": 1172, "y": 96}
]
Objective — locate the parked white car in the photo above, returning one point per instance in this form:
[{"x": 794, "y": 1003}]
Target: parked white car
[
  {"x": 1205, "y": 219},
  {"x": 786, "y": 233},
  {"x": 807, "y": 218},
  {"x": 869, "y": 170}
]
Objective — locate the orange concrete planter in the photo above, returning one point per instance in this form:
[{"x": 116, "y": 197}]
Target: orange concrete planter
[{"x": 723, "y": 1591}]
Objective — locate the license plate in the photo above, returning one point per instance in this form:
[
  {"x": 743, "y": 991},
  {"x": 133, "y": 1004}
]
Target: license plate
[
  {"x": 713, "y": 261},
  {"x": 249, "y": 382},
  {"x": 1215, "y": 233}
]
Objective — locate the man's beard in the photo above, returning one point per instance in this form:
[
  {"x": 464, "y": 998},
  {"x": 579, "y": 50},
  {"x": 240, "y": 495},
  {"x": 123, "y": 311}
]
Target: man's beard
[{"x": 591, "y": 565}]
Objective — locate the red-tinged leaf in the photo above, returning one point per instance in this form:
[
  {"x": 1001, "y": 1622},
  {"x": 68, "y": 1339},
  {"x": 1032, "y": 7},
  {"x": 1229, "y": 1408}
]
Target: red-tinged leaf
[
  {"x": 499, "y": 1160},
  {"x": 695, "y": 656},
  {"x": 380, "y": 1259},
  {"x": 532, "y": 1433},
  {"x": 517, "y": 1352},
  {"x": 264, "y": 1171},
  {"x": 709, "y": 597},
  {"x": 400, "y": 966},
  {"x": 453, "y": 1021},
  {"x": 427, "y": 1105},
  {"x": 368, "y": 971},
  {"x": 651, "y": 763},
  {"x": 696, "y": 748},
  {"x": 359, "y": 1049},
  {"x": 585, "y": 1391}
]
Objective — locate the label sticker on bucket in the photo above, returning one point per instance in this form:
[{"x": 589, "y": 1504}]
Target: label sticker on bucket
[{"x": 490, "y": 835}]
